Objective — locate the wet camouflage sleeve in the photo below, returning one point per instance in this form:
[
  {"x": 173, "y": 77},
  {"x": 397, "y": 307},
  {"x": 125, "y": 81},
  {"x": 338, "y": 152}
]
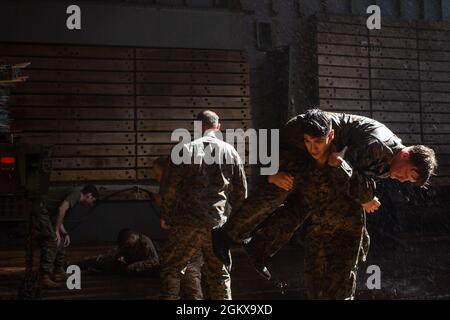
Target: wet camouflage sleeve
[
  {"x": 146, "y": 255},
  {"x": 170, "y": 183},
  {"x": 356, "y": 173},
  {"x": 239, "y": 192},
  {"x": 141, "y": 266}
]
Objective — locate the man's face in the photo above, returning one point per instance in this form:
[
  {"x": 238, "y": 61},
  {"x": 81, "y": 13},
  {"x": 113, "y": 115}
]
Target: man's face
[
  {"x": 132, "y": 240},
  {"x": 88, "y": 199},
  {"x": 318, "y": 147},
  {"x": 402, "y": 169}
]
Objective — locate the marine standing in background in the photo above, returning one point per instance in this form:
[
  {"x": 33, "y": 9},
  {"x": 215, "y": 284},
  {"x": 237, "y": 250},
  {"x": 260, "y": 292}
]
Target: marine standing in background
[
  {"x": 191, "y": 280},
  {"x": 53, "y": 237},
  {"x": 195, "y": 197}
]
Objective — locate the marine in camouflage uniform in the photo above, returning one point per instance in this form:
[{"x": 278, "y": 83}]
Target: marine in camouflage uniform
[
  {"x": 370, "y": 144},
  {"x": 53, "y": 255},
  {"x": 138, "y": 258},
  {"x": 191, "y": 281},
  {"x": 336, "y": 239},
  {"x": 195, "y": 198}
]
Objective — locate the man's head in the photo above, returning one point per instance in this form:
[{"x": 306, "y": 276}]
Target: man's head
[
  {"x": 414, "y": 164},
  {"x": 318, "y": 133},
  {"x": 159, "y": 166},
  {"x": 127, "y": 238},
  {"x": 89, "y": 194},
  {"x": 210, "y": 120}
]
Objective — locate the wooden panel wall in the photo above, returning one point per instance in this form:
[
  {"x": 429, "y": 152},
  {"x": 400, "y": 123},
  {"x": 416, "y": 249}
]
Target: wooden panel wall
[
  {"x": 110, "y": 111},
  {"x": 398, "y": 75}
]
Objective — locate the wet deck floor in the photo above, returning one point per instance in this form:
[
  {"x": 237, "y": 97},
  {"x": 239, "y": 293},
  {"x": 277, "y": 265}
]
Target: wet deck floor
[{"x": 418, "y": 270}]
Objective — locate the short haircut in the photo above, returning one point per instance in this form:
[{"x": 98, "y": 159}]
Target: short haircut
[
  {"x": 424, "y": 159},
  {"x": 90, "y": 188},
  {"x": 124, "y": 235},
  {"x": 316, "y": 123},
  {"x": 209, "y": 119}
]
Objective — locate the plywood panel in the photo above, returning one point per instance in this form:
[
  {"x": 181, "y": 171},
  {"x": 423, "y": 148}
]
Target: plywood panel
[
  {"x": 94, "y": 150},
  {"x": 191, "y": 54},
  {"x": 176, "y": 113},
  {"x": 71, "y": 113},
  {"x": 193, "y": 78},
  {"x": 93, "y": 162},
  {"x": 404, "y": 67},
  {"x": 177, "y": 66},
  {"x": 92, "y": 175},
  {"x": 192, "y": 102},
  {"x": 72, "y": 64},
  {"x": 192, "y": 90},
  {"x": 108, "y": 111},
  {"x": 170, "y": 125},
  {"x": 71, "y": 100},
  {"x": 43, "y": 50}
]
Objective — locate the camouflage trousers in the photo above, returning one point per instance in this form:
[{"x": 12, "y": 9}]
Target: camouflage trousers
[
  {"x": 331, "y": 263},
  {"x": 191, "y": 281},
  {"x": 52, "y": 256},
  {"x": 106, "y": 262},
  {"x": 266, "y": 198},
  {"x": 254, "y": 211},
  {"x": 184, "y": 246},
  {"x": 332, "y": 250}
]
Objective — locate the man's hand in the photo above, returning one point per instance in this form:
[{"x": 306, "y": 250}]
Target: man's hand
[
  {"x": 121, "y": 259},
  {"x": 335, "y": 158},
  {"x": 58, "y": 238},
  {"x": 66, "y": 240},
  {"x": 372, "y": 205},
  {"x": 282, "y": 180},
  {"x": 163, "y": 224},
  {"x": 136, "y": 267}
]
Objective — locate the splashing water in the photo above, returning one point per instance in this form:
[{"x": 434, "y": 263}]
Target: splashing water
[{"x": 282, "y": 286}]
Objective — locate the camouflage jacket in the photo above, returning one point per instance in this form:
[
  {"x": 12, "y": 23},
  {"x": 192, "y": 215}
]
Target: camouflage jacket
[
  {"x": 371, "y": 146},
  {"x": 140, "y": 257},
  {"x": 199, "y": 192}
]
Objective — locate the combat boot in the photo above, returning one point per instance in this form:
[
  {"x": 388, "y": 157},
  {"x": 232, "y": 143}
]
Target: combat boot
[
  {"x": 60, "y": 275},
  {"x": 221, "y": 243},
  {"x": 47, "y": 282},
  {"x": 257, "y": 260}
]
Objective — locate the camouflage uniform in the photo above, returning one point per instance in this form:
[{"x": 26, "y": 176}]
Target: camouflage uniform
[
  {"x": 141, "y": 257},
  {"x": 191, "y": 281},
  {"x": 52, "y": 256},
  {"x": 195, "y": 198},
  {"x": 336, "y": 239},
  {"x": 370, "y": 144}
]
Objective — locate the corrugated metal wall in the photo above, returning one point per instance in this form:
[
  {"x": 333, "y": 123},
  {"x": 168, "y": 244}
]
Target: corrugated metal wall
[{"x": 398, "y": 75}]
